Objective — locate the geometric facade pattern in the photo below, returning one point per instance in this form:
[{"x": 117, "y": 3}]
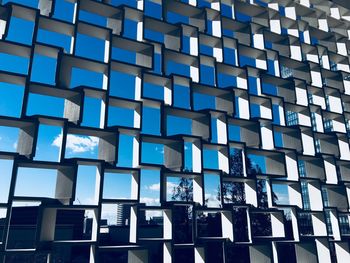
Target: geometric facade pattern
[{"x": 174, "y": 131}]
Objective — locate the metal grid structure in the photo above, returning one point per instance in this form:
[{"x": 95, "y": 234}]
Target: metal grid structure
[{"x": 236, "y": 112}]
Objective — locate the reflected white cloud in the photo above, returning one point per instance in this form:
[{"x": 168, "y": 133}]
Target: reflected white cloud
[{"x": 77, "y": 144}]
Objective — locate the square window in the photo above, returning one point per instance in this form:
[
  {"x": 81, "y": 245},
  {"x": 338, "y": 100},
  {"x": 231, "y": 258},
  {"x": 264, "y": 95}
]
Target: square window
[
  {"x": 11, "y": 99},
  {"x": 55, "y": 39},
  {"x": 9, "y": 138},
  {"x": 125, "y": 150},
  {"x": 119, "y": 185},
  {"x": 151, "y": 120},
  {"x": 54, "y": 106},
  {"x": 150, "y": 187},
  {"x": 48, "y": 146},
  {"x": 20, "y": 30},
  {"x": 181, "y": 96},
  {"x": 118, "y": 116},
  {"x": 92, "y": 112},
  {"x": 44, "y": 69},
  {"x": 64, "y": 10},
  {"x": 90, "y": 47},
  {"x": 83, "y": 77},
  {"x": 122, "y": 85},
  {"x": 87, "y": 180},
  {"x": 14, "y": 64}
]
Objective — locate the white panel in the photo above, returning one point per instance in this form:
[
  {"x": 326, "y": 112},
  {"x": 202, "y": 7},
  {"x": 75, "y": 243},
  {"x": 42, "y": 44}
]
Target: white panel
[
  {"x": 273, "y": 6},
  {"x": 342, "y": 49},
  {"x": 274, "y": 251},
  {"x": 305, "y": 3},
  {"x": 217, "y": 53},
  {"x": 319, "y": 123},
  {"x": 215, "y": 5},
  {"x": 277, "y": 225},
  {"x": 325, "y": 62},
  {"x": 199, "y": 255},
  {"x": 319, "y": 225},
  {"x": 281, "y": 115},
  {"x": 316, "y": 78},
  {"x": 223, "y": 162},
  {"x": 293, "y": 32},
  {"x": 221, "y": 131},
  {"x": 343, "y": 67},
  {"x": 335, "y": 12},
  {"x": 306, "y": 34},
  {"x": 295, "y": 225},
  {"x": 301, "y": 96},
  {"x": 275, "y": 25},
  {"x": 265, "y": 112},
  {"x": 243, "y": 108},
  {"x": 267, "y": 138},
  {"x": 135, "y": 154},
  {"x": 227, "y": 227},
  {"x": 198, "y": 190},
  {"x": 292, "y": 168},
  {"x": 277, "y": 68},
  {"x": 167, "y": 233},
  {"x": 134, "y": 186},
  {"x": 304, "y": 120},
  {"x": 104, "y": 82},
  {"x": 97, "y": 185},
  {"x": 259, "y": 63},
  {"x": 167, "y": 95},
  {"x": 335, "y": 226},
  {"x": 167, "y": 252},
  {"x": 2, "y": 28},
  {"x": 315, "y": 197},
  {"x": 323, "y": 251},
  {"x": 290, "y": 12},
  {"x": 295, "y": 52},
  {"x": 335, "y": 104},
  {"x": 133, "y": 225},
  {"x": 106, "y": 55},
  {"x": 137, "y": 119},
  {"x": 216, "y": 28},
  {"x": 102, "y": 114},
  {"x": 294, "y": 197},
  {"x": 323, "y": 25},
  {"x": 75, "y": 13},
  {"x": 138, "y": 84},
  {"x": 139, "y": 36},
  {"x": 251, "y": 198},
  {"x": 331, "y": 172},
  {"x": 258, "y": 41},
  {"x": 196, "y": 159},
  {"x": 344, "y": 150},
  {"x": 242, "y": 83},
  {"x": 194, "y": 71},
  {"x": 312, "y": 57},
  {"x": 342, "y": 252},
  {"x": 346, "y": 84},
  {"x": 192, "y": 2},
  {"x": 269, "y": 193},
  {"x": 339, "y": 126},
  {"x": 319, "y": 100},
  {"x": 194, "y": 46}
]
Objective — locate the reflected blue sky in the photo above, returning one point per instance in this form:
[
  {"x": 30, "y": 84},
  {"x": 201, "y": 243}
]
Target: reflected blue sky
[{"x": 121, "y": 85}]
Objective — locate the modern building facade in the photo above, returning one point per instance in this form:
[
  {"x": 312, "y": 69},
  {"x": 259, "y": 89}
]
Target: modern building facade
[{"x": 174, "y": 131}]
